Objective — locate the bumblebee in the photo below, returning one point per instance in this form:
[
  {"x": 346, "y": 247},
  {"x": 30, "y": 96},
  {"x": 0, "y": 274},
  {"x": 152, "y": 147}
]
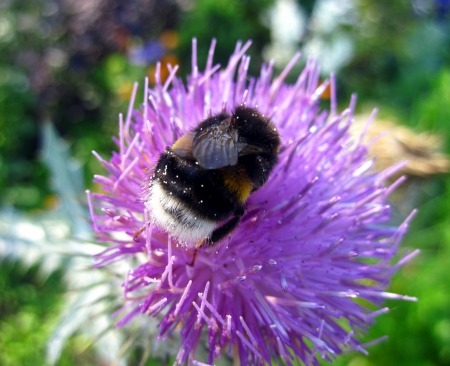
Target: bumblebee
[{"x": 200, "y": 184}]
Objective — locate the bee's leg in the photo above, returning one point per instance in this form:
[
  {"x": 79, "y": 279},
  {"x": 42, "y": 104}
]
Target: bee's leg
[
  {"x": 221, "y": 232},
  {"x": 193, "y": 257},
  {"x": 217, "y": 235},
  {"x": 201, "y": 243},
  {"x": 198, "y": 245},
  {"x": 139, "y": 232}
]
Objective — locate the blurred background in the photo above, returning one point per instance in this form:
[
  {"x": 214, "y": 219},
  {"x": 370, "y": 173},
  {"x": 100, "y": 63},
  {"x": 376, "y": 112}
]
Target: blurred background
[{"x": 67, "y": 68}]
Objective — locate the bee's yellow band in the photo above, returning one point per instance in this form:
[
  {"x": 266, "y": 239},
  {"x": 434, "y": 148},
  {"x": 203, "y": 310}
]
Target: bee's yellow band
[{"x": 238, "y": 183}]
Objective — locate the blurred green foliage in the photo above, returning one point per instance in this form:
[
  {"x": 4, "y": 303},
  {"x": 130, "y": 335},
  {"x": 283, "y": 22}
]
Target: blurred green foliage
[
  {"x": 401, "y": 64},
  {"x": 28, "y": 304},
  {"x": 227, "y": 21},
  {"x": 432, "y": 112}
]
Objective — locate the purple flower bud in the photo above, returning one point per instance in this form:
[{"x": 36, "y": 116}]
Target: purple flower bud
[{"x": 313, "y": 241}]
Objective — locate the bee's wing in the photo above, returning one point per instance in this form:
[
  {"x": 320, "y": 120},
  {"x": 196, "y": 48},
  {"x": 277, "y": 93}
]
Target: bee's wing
[{"x": 216, "y": 146}]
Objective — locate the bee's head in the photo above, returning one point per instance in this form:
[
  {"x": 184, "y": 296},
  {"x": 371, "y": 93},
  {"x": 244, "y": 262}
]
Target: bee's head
[{"x": 256, "y": 130}]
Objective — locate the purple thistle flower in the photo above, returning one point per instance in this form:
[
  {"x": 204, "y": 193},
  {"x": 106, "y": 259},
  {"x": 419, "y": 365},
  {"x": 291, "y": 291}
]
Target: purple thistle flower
[{"x": 315, "y": 239}]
